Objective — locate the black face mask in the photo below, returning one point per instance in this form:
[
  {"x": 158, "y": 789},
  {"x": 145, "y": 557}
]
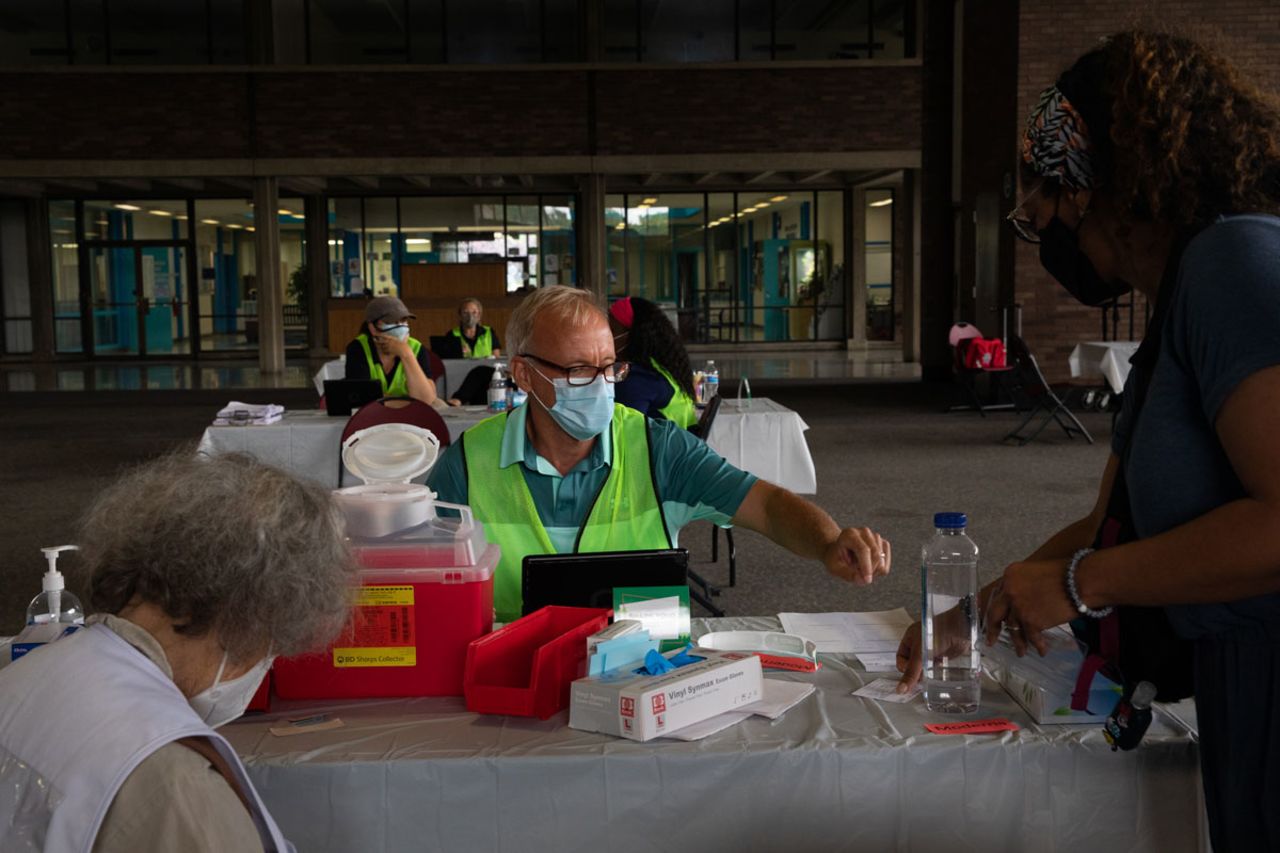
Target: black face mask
[{"x": 1061, "y": 257}]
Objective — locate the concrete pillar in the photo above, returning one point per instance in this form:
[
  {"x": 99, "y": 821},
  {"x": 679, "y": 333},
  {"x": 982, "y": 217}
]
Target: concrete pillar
[
  {"x": 593, "y": 248},
  {"x": 858, "y": 292},
  {"x": 40, "y": 280},
  {"x": 911, "y": 194},
  {"x": 317, "y": 213},
  {"x": 937, "y": 214},
  {"x": 593, "y": 31},
  {"x": 266, "y": 221}
]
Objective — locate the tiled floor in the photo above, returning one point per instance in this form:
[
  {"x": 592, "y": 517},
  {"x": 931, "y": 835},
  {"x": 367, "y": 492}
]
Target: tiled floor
[{"x": 821, "y": 365}]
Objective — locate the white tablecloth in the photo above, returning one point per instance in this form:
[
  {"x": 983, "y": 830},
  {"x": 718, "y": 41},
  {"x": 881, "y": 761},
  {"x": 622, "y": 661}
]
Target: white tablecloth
[
  {"x": 1109, "y": 359},
  {"x": 835, "y": 773},
  {"x": 763, "y": 437},
  {"x": 455, "y": 371},
  {"x": 308, "y": 442},
  {"x": 767, "y": 439}
]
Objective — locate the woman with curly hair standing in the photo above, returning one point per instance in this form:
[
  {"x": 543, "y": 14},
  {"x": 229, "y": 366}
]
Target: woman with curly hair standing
[
  {"x": 1152, "y": 165},
  {"x": 661, "y": 381}
]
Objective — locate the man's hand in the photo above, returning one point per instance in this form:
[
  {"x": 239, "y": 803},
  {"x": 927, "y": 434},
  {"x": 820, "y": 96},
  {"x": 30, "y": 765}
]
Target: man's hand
[{"x": 858, "y": 554}]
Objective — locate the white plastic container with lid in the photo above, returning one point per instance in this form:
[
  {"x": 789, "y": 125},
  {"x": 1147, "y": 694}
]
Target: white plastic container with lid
[
  {"x": 387, "y": 457},
  {"x": 439, "y": 543}
]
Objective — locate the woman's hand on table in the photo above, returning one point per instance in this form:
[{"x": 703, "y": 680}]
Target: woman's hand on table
[{"x": 953, "y": 632}]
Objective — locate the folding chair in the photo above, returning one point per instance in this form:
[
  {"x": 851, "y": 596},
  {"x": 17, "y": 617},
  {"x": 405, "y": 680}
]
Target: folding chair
[
  {"x": 960, "y": 337},
  {"x": 437, "y": 371},
  {"x": 393, "y": 410},
  {"x": 702, "y": 429},
  {"x": 1043, "y": 401}
]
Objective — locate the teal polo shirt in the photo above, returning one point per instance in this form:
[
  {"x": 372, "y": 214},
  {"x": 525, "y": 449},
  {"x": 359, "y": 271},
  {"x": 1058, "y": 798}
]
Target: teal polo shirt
[{"x": 694, "y": 482}]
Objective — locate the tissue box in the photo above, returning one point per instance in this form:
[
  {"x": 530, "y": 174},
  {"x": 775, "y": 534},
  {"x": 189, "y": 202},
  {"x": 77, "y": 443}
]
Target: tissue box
[
  {"x": 1043, "y": 686},
  {"x": 642, "y": 707}
]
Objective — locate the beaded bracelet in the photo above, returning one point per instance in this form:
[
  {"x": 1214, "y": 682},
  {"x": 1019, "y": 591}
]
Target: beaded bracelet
[{"x": 1074, "y": 591}]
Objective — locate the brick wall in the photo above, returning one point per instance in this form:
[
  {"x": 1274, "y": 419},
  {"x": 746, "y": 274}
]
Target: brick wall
[
  {"x": 1052, "y": 34},
  {"x": 124, "y": 115},
  {"x": 422, "y": 114},
  {"x": 198, "y": 115},
  {"x": 786, "y": 109}
]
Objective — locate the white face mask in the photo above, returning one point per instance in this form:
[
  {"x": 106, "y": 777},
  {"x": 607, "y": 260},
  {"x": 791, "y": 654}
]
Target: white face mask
[{"x": 226, "y": 700}]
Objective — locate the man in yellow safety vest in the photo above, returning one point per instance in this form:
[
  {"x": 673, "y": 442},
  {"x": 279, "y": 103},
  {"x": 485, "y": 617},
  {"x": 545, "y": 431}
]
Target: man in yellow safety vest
[{"x": 571, "y": 471}]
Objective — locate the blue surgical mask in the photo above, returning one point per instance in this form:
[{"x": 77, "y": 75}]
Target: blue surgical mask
[
  {"x": 400, "y": 332},
  {"x": 583, "y": 411}
]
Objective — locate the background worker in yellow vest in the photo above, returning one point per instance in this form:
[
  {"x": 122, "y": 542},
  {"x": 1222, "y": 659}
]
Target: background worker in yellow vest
[
  {"x": 660, "y": 383},
  {"x": 477, "y": 341},
  {"x": 385, "y": 352},
  {"x": 572, "y": 471}
]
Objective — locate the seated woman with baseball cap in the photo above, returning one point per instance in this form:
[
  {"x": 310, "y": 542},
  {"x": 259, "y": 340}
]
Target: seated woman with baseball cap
[{"x": 384, "y": 352}]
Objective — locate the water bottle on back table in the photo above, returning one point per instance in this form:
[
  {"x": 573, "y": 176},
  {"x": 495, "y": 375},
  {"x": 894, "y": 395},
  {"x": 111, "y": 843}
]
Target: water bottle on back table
[
  {"x": 949, "y": 617},
  {"x": 499, "y": 391},
  {"x": 710, "y": 381}
]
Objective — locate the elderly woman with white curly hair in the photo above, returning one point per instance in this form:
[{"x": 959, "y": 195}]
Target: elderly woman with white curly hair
[{"x": 201, "y": 570}]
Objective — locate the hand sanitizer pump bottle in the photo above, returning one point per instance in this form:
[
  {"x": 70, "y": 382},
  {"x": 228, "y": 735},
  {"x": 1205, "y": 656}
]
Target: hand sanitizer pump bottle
[{"x": 54, "y": 603}]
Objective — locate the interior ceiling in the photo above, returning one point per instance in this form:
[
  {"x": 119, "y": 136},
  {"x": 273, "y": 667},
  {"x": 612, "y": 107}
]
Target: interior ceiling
[{"x": 492, "y": 184}]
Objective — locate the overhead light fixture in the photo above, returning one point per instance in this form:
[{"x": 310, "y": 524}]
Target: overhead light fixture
[
  {"x": 335, "y": 242},
  {"x": 210, "y": 222},
  {"x": 234, "y": 225},
  {"x": 160, "y": 212},
  {"x": 652, "y": 200},
  {"x": 284, "y": 212},
  {"x": 884, "y": 202},
  {"x": 181, "y": 216},
  {"x": 126, "y": 207},
  {"x": 250, "y": 228},
  {"x": 763, "y": 205},
  {"x": 417, "y": 241},
  {"x": 778, "y": 198}
]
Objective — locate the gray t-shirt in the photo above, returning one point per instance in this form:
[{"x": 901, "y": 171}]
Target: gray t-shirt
[{"x": 1224, "y": 326}]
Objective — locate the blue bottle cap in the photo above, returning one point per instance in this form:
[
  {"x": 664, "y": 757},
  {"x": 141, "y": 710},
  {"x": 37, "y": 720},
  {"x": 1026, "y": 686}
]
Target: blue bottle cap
[{"x": 950, "y": 520}]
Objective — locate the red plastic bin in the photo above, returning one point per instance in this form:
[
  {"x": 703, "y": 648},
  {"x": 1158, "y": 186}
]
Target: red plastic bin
[
  {"x": 409, "y": 637},
  {"x": 524, "y": 669}
]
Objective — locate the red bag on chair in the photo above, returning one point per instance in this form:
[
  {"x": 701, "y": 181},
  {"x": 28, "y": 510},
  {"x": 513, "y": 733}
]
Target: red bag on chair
[{"x": 984, "y": 354}]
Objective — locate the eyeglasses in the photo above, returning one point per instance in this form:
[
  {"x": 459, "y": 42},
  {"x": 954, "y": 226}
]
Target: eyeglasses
[
  {"x": 585, "y": 374},
  {"x": 1024, "y": 226}
]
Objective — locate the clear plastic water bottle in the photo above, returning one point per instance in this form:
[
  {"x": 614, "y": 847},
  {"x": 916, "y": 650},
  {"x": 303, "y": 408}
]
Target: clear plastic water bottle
[
  {"x": 710, "y": 381},
  {"x": 518, "y": 395},
  {"x": 949, "y": 616},
  {"x": 499, "y": 391}
]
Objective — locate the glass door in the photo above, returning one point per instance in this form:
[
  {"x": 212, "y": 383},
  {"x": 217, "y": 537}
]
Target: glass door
[
  {"x": 139, "y": 298},
  {"x": 113, "y": 288}
]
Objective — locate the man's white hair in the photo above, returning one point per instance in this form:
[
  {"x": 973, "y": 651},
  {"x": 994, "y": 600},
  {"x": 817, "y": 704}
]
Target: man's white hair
[{"x": 569, "y": 306}]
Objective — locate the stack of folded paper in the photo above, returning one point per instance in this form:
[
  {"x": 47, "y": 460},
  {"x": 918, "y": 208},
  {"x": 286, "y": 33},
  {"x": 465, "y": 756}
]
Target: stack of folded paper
[{"x": 246, "y": 414}]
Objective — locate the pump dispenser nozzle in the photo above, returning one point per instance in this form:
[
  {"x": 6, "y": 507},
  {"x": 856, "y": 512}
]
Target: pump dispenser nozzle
[{"x": 54, "y": 583}]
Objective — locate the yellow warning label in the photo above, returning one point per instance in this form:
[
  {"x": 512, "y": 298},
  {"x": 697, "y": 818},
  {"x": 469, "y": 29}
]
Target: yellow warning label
[
  {"x": 383, "y": 596},
  {"x": 376, "y": 656}
]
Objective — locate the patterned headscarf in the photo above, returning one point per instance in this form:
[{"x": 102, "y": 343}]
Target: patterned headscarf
[{"x": 1056, "y": 142}]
